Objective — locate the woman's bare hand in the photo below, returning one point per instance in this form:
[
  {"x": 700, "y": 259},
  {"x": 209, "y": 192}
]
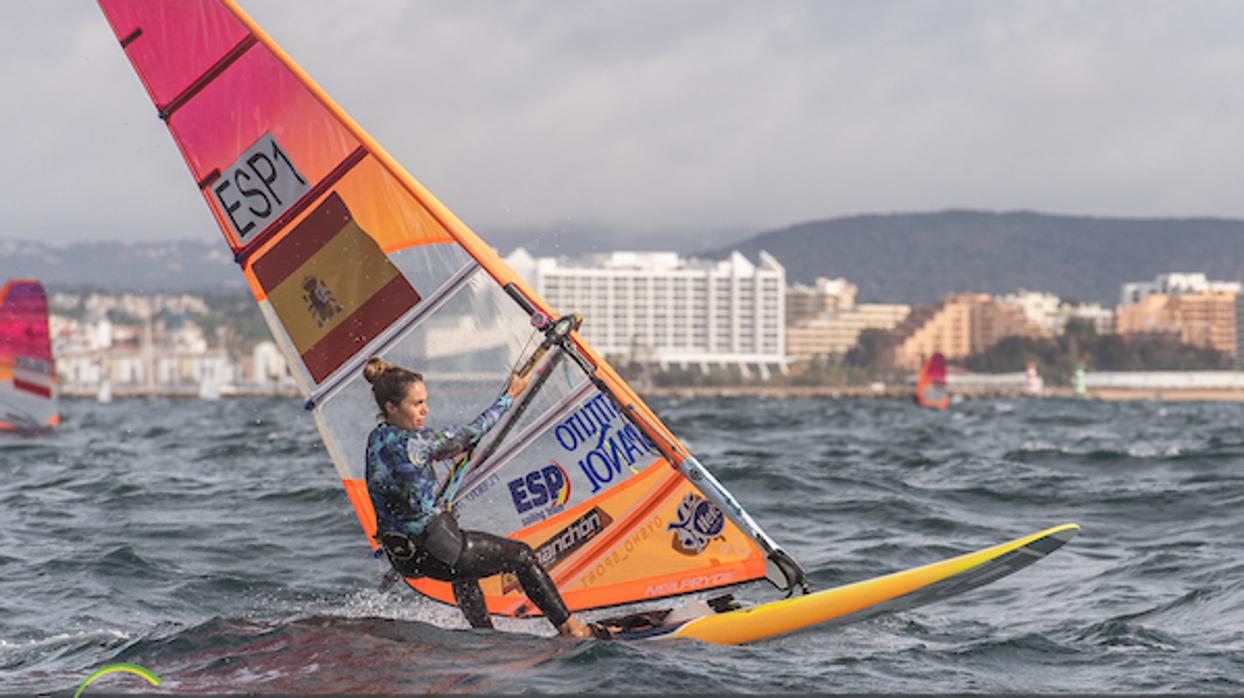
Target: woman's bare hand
[{"x": 517, "y": 385}]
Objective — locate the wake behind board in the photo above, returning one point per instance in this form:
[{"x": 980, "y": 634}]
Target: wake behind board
[{"x": 722, "y": 622}]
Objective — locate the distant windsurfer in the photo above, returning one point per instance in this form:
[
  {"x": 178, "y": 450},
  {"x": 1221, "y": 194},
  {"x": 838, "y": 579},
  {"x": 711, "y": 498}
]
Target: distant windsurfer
[{"x": 422, "y": 540}]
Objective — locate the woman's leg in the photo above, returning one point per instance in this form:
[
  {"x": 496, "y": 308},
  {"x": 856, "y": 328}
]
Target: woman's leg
[
  {"x": 470, "y": 599},
  {"x": 467, "y": 593},
  {"x": 486, "y": 555}
]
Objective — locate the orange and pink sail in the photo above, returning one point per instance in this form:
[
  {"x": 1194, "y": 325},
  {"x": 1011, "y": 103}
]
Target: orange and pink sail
[
  {"x": 931, "y": 383},
  {"x": 27, "y": 370},
  {"x": 349, "y": 256}
]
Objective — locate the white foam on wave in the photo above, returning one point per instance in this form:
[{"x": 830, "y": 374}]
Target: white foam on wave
[
  {"x": 400, "y": 604},
  {"x": 406, "y": 605},
  {"x": 1152, "y": 450},
  {"x": 107, "y": 634}
]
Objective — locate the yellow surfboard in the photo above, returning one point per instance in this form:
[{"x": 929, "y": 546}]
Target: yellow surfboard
[{"x": 860, "y": 600}]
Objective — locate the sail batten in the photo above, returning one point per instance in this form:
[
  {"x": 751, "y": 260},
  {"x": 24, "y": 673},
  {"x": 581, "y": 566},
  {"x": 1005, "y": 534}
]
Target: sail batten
[
  {"x": 206, "y": 78},
  {"x": 348, "y": 256}
]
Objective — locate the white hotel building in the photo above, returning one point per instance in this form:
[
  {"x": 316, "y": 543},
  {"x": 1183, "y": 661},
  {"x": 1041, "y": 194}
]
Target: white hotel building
[{"x": 658, "y": 308}]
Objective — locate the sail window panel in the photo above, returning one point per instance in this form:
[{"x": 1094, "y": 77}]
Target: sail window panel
[
  {"x": 254, "y": 97},
  {"x": 572, "y": 452},
  {"x": 21, "y": 408},
  {"x": 172, "y": 44},
  {"x": 464, "y": 350}
]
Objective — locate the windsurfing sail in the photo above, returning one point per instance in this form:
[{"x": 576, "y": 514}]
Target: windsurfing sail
[
  {"x": 349, "y": 256},
  {"x": 27, "y": 370},
  {"x": 931, "y": 383}
]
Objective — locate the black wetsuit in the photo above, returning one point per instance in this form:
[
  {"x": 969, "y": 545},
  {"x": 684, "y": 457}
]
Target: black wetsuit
[
  {"x": 401, "y": 483},
  {"x": 484, "y": 556}
]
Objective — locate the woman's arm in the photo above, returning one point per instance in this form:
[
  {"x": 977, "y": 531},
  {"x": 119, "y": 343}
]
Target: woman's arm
[{"x": 456, "y": 439}]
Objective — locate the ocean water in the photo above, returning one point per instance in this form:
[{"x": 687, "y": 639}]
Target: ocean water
[{"x": 211, "y": 543}]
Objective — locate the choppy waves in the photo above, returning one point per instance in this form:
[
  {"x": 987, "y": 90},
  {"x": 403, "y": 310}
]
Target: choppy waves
[{"x": 210, "y": 542}]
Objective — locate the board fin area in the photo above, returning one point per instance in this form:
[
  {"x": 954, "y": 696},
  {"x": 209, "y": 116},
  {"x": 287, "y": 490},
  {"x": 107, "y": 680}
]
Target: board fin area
[{"x": 721, "y": 621}]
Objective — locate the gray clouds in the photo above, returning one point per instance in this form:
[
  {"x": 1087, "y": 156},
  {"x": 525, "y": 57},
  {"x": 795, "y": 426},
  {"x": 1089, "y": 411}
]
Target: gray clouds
[{"x": 677, "y": 117}]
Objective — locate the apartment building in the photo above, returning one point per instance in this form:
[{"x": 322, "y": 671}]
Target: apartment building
[
  {"x": 824, "y": 297},
  {"x": 1174, "y": 284},
  {"x": 958, "y": 326},
  {"x": 837, "y": 333},
  {"x": 1202, "y": 319},
  {"x": 1149, "y": 313},
  {"x": 1051, "y": 313},
  {"x": 659, "y": 308}
]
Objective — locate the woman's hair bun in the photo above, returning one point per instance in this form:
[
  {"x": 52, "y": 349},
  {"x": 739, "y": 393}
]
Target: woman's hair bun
[{"x": 375, "y": 368}]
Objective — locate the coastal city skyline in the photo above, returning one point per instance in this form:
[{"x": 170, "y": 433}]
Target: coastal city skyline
[
  {"x": 648, "y": 308},
  {"x": 641, "y": 119}
]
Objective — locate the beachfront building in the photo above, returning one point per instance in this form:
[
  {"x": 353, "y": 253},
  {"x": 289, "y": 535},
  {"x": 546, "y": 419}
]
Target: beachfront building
[
  {"x": 1175, "y": 284},
  {"x": 167, "y": 354},
  {"x": 1207, "y": 319},
  {"x": 824, "y": 297},
  {"x": 1040, "y": 308},
  {"x": 823, "y": 318},
  {"x": 663, "y": 309},
  {"x": 1203, "y": 319},
  {"x": 1050, "y": 313},
  {"x": 959, "y": 325},
  {"x": 836, "y": 333},
  {"x": 1101, "y": 318},
  {"x": 1202, "y": 312},
  {"x": 1239, "y": 333}
]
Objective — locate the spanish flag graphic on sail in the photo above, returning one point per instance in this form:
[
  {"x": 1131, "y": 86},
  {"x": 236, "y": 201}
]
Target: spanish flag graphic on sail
[{"x": 332, "y": 286}]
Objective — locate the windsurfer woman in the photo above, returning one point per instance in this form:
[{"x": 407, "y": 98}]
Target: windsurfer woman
[{"x": 419, "y": 538}]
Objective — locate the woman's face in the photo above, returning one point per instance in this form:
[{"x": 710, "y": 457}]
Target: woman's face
[{"x": 411, "y": 411}]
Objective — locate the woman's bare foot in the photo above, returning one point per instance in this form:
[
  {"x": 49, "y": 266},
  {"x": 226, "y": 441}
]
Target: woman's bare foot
[{"x": 574, "y": 628}]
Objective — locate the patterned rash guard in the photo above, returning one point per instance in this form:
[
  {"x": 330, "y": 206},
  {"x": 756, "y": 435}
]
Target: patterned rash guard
[{"x": 401, "y": 479}]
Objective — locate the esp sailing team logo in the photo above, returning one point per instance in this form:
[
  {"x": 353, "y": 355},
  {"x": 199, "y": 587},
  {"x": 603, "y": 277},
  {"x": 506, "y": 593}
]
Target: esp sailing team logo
[
  {"x": 699, "y": 521},
  {"x": 545, "y": 490}
]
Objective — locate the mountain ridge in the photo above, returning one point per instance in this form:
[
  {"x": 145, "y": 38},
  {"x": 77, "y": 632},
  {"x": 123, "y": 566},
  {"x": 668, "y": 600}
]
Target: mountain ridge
[
  {"x": 919, "y": 257},
  {"x": 891, "y": 257}
]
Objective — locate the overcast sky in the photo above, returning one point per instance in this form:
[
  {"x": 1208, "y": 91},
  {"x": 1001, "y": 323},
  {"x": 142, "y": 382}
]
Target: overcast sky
[{"x": 676, "y": 116}]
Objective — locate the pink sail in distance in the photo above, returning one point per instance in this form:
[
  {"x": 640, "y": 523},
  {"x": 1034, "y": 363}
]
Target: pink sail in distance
[
  {"x": 931, "y": 383},
  {"x": 27, "y": 370}
]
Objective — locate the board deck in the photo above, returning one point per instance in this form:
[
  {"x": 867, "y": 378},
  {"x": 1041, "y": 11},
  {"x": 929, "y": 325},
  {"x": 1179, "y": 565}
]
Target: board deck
[{"x": 723, "y": 624}]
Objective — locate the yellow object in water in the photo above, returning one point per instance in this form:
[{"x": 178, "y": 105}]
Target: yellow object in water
[{"x": 892, "y": 592}]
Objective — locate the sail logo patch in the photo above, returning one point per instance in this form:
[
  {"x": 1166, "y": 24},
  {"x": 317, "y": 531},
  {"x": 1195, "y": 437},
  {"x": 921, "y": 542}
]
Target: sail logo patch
[
  {"x": 602, "y": 448},
  {"x": 320, "y": 300},
  {"x": 563, "y": 544},
  {"x": 699, "y": 521},
  {"x": 547, "y": 487},
  {"x": 258, "y": 187}
]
